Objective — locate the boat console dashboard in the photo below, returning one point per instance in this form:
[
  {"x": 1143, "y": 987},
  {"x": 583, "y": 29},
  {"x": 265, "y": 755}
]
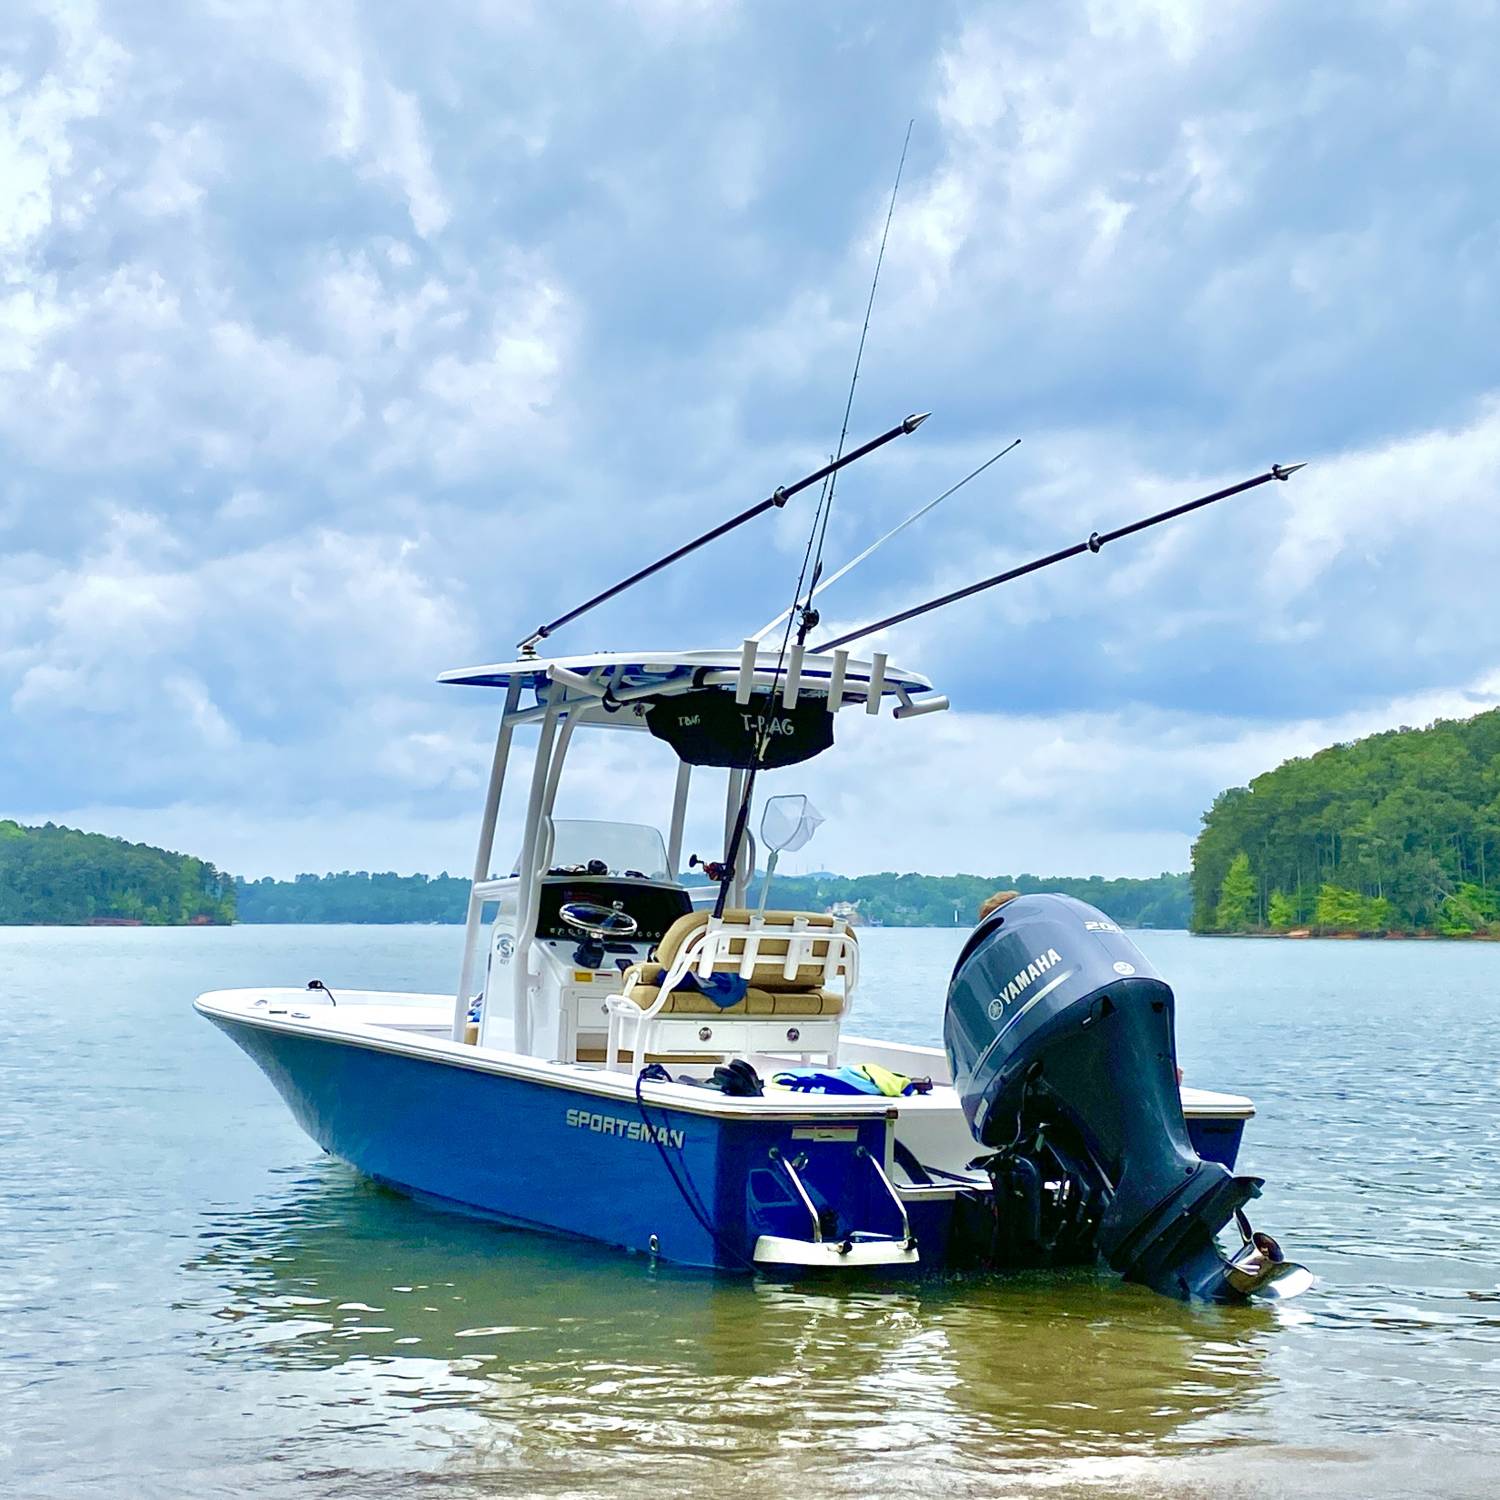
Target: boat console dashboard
[{"x": 655, "y": 904}]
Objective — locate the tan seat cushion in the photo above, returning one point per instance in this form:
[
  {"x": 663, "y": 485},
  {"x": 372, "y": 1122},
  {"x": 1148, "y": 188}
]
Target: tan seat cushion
[
  {"x": 647, "y": 973},
  {"x": 701, "y": 1059},
  {"x": 767, "y": 973},
  {"x": 678, "y": 933},
  {"x": 757, "y": 1002}
]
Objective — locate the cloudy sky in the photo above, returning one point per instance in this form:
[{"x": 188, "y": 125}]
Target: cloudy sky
[{"x": 341, "y": 344}]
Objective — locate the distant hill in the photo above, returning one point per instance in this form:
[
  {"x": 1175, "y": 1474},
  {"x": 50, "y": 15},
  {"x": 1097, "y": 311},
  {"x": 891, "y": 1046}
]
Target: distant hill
[
  {"x": 59, "y": 875},
  {"x": 355, "y": 896},
  {"x": 948, "y": 900},
  {"x": 889, "y": 900},
  {"x": 1395, "y": 833}
]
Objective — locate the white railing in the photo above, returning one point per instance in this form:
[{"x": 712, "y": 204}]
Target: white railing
[{"x": 815, "y": 958}]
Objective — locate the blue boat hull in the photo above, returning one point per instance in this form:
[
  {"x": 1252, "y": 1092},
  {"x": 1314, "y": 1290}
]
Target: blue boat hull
[
  {"x": 696, "y": 1189},
  {"x": 1217, "y": 1139},
  {"x": 570, "y": 1162}
]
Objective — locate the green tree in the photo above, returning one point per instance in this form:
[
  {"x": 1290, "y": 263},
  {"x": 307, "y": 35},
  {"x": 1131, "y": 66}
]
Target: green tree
[
  {"x": 1407, "y": 818},
  {"x": 1238, "y": 907},
  {"x": 1282, "y": 912},
  {"x": 1341, "y": 910},
  {"x": 61, "y": 875},
  {"x": 1470, "y": 909}
]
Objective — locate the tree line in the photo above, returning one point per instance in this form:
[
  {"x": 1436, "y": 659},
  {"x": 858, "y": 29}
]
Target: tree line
[
  {"x": 355, "y": 896},
  {"x": 891, "y": 900},
  {"x": 1398, "y": 832},
  {"x": 59, "y": 875},
  {"x": 888, "y": 900},
  {"x": 54, "y": 875}
]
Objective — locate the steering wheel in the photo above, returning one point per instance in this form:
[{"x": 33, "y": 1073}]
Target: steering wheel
[{"x": 597, "y": 921}]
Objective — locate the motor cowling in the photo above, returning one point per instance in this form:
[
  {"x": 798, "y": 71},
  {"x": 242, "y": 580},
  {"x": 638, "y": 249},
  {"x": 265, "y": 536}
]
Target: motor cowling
[{"x": 1060, "y": 1035}]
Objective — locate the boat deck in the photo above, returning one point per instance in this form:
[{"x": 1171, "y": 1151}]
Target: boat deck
[{"x": 932, "y": 1125}]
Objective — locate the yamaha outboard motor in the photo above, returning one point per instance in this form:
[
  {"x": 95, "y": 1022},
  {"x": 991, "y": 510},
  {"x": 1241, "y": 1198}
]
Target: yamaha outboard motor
[{"x": 1060, "y": 1035}]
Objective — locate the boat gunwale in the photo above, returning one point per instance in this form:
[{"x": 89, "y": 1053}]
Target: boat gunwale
[
  {"x": 1208, "y": 1104},
  {"x": 615, "y": 1086}
]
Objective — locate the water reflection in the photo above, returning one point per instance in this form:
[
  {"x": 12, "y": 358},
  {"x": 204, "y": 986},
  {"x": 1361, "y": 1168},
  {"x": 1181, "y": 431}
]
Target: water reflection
[
  {"x": 150, "y": 1350},
  {"x": 494, "y": 1352}
]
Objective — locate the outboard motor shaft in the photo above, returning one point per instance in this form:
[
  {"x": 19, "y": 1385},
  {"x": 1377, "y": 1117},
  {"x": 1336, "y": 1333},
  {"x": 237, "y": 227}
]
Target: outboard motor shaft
[{"x": 1060, "y": 1035}]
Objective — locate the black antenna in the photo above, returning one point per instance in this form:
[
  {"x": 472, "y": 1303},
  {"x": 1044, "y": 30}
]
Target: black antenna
[
  {"x": 777, "y": 498},
  {"x": 809, "y": 616},
  {"x": 1093, "y": 544},
  {"x": 803, "y": 615},
  {"x": 895, "y": 530}
]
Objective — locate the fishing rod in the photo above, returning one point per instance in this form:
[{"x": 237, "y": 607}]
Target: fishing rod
[
  {"x": 776, "y": 499},
  {"x": 1095, "y": 541},
  {"x": 809, "y": 616},
  {"x": 879, "y": 542},
  {"x": 803, "y": 613}
]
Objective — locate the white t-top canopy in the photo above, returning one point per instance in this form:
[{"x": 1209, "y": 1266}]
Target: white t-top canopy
[{"x": 629, "y": 674}]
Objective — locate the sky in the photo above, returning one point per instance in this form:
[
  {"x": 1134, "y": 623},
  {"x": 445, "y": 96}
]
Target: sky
[{"x": 343, "y": 344}]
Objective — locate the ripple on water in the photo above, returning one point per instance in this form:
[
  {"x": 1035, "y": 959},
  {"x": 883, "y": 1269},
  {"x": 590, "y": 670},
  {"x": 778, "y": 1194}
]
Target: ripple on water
[{"x": 221, "y": 1309}]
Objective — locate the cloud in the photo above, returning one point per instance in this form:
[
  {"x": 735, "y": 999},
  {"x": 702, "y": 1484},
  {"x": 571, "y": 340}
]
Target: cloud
[
  {"x": 338, "y": 347},
  {"x": 153, "y": 673},
  {"x": 1114, "y": 793},
  {"x": 369, "y": 122}
]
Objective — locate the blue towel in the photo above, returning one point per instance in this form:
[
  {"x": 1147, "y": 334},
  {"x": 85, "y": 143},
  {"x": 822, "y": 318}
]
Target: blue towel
[
  {"x": 723, "y": 989},
  {"x": 822, "y": 1081}
]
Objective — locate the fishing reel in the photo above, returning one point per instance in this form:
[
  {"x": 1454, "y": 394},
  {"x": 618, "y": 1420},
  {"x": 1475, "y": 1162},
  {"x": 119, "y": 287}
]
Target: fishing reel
[{"x": 717, "y": 870}]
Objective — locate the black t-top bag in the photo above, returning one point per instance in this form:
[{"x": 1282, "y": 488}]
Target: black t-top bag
[{"x": 708, "y": 728}]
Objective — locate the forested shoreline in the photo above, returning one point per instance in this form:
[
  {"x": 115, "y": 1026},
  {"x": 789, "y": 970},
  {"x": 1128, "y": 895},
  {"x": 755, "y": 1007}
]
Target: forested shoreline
[
  {"x": 355, "y": 896},
  {"x": 1395, "y": 834},
  {"x": 892, "y": 900},
  {"x": 61, "y": 876},
  {"x": 888, "y": 900}
]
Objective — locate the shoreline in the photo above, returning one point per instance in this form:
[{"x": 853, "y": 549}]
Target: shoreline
[{"x": 1313, "y": 934}]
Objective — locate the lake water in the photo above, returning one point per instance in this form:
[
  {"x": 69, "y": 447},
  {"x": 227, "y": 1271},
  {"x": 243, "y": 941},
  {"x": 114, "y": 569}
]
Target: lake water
[{"x": 194, "y": 1301}]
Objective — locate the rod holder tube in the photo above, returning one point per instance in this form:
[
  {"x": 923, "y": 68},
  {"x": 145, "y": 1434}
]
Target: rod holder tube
[
  {"x": 745, "y": 682},
  {"x": 576, "y": 681},
  {"x": 877, "y": 682},
  {"x": 836, "y": 681},
  {"x": 793, "y": 681},
  {"x": 915, "y": 707}
]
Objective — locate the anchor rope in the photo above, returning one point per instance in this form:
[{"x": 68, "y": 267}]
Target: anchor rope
[{"x": 686, "y": 1188}]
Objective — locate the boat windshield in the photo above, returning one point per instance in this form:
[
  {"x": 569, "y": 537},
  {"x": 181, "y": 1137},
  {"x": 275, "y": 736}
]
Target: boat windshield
[{"x": 625, "y": 848}]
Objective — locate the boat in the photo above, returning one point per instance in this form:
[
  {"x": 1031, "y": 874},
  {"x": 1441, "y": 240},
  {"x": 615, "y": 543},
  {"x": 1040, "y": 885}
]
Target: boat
[
  {"x": 632, "y": 1060},
  {"x": 621, "y": 1062}
]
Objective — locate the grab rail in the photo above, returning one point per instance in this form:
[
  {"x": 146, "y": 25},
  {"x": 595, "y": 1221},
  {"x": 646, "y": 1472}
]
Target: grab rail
[
  {"x": 807, "y": 1203},
  {"x": 906, "y": 1234}
]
